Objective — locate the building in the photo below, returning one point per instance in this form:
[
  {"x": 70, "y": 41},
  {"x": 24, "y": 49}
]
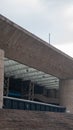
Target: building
[{"x": 26, "y": 59}]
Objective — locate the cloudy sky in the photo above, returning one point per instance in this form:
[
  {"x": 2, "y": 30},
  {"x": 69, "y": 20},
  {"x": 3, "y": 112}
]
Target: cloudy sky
[{"x": 42, "y": 17}]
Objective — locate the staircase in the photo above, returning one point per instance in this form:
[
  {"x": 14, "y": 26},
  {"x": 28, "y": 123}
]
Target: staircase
[{"x": 46, "y": 99}]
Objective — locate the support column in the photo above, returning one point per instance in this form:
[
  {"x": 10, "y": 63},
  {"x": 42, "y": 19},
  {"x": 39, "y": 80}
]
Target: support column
[
  {"x": 31, "y": 91},
  {"x": 66, "y": 94},
  {"x": 1, "y": 77}
]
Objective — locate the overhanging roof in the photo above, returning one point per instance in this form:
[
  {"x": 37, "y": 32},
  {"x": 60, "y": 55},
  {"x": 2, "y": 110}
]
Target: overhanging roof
[{"x": 26, "y": 48}]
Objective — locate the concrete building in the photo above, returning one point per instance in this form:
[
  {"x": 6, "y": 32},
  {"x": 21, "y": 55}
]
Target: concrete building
[{"x": 25, "y": 48}]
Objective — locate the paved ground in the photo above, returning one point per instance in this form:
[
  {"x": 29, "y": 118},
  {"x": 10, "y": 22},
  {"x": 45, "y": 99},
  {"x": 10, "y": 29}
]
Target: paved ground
[{"x": 28, "y": 120}]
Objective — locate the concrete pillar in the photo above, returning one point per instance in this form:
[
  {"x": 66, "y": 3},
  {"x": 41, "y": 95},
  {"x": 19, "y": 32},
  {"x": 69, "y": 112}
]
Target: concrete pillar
[
  {"x": 1, "y": 77},
  {"x": 66, "y": 94}
]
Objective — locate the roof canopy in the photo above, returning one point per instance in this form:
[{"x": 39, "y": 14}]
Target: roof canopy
[{"x": 24, "y": 47}]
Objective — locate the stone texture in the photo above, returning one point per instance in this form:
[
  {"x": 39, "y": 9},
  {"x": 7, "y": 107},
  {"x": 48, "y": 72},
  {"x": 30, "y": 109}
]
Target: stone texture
[{"x": 29, "y": 120}]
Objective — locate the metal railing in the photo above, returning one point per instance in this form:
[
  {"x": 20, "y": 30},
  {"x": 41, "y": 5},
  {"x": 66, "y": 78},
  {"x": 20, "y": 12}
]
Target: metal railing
[{"x": 15, "y": 103}]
